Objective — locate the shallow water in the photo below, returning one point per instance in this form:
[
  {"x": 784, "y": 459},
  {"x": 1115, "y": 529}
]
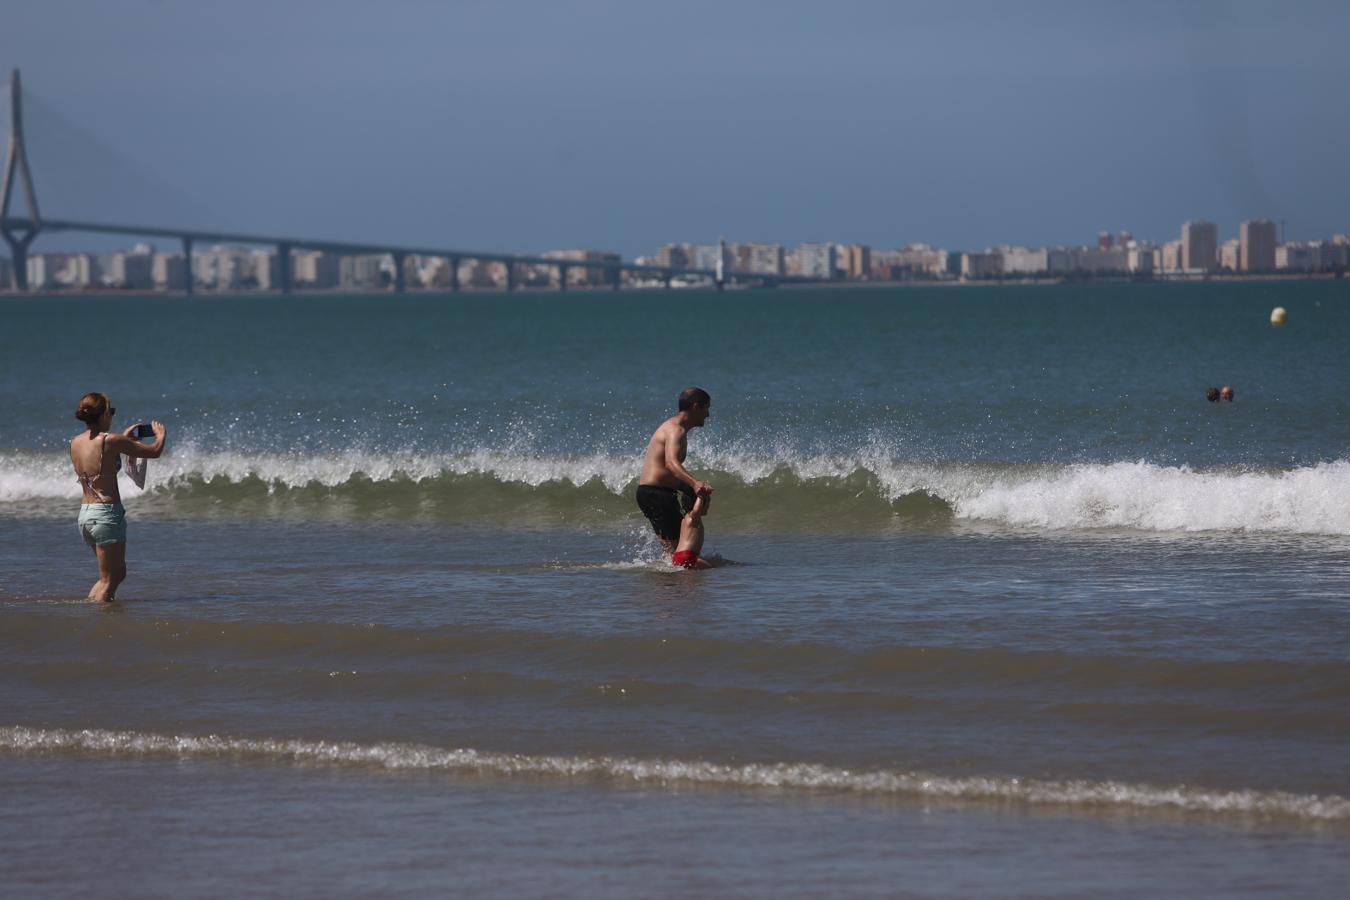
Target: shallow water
[{"x": 996, "y": 578}]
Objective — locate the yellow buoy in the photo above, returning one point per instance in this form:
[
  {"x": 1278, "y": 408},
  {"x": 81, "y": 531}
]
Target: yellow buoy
[{"x": 1278, "y": 316}]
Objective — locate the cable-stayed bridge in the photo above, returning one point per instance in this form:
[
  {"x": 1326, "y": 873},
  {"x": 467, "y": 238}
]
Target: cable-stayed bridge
[{"x": 21, "y": 223}]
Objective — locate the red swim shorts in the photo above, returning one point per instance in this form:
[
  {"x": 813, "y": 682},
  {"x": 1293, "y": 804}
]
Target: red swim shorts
[{"x": 685, "y": 559}]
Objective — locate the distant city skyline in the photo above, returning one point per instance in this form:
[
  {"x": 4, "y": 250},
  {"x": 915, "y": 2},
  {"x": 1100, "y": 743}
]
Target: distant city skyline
[
  {"x": 1198, "y": 252},
  {"x": 533, "y": 126}
]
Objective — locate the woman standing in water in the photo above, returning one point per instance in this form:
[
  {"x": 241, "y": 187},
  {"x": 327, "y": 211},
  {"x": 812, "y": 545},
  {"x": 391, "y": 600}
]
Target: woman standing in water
[{"x": 97, "y": 457}]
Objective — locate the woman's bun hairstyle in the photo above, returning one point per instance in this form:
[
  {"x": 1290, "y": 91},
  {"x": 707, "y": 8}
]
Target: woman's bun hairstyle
[{"x": 91, "y": 408}]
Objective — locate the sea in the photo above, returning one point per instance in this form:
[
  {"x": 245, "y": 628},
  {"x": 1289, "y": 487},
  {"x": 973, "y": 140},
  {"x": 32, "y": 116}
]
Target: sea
[{"x": 1003, "y": 606}]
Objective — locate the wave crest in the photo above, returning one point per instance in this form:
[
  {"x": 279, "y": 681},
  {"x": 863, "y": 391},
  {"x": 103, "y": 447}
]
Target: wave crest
[{"x": 821, "y": 492}]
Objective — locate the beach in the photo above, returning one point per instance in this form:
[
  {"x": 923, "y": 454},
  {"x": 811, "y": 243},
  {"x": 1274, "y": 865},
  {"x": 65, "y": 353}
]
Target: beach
[{"x": 1003, "y": 605}]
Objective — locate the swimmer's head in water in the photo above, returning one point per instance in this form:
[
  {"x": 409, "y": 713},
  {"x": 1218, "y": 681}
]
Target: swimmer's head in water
[
  {"x": 1212, "y": 394},
  {"x": 1226, "y": 393},
  {"x": 93, "y": 407},
  {"x": 696, "y": 402}
]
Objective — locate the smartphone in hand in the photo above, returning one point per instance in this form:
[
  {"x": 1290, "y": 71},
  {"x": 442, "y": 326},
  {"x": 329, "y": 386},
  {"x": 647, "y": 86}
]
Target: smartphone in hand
[{"x": 144, "y": 431}]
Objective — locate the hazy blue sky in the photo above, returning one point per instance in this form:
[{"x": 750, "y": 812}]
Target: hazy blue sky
[{"x": 623, "y": 125}]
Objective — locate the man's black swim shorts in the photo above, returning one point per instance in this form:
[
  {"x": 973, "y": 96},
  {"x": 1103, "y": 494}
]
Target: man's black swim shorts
[{"x": 665, "y": 507}]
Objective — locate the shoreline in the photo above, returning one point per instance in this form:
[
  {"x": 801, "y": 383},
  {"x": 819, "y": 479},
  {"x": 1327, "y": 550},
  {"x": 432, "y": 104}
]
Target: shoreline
[{"x": 131, "y": 294}]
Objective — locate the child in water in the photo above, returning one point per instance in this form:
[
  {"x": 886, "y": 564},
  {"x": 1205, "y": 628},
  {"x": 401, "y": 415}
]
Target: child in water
[{"x": 691, "y": 536}]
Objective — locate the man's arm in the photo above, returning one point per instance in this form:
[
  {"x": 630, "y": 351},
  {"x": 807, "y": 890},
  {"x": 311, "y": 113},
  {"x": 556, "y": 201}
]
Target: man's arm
[{"x": 674, "y": 444}]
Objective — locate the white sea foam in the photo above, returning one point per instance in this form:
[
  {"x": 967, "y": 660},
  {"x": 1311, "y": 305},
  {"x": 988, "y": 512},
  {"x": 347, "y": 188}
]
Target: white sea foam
[
  {"x": 1135, "y": 495},
  {"x": 1310, "y": 500},
  {"x": 1106, "y": 795}
]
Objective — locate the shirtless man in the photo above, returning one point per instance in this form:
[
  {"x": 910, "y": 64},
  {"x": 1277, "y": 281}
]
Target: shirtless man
[{"x": 667, "y": 494}]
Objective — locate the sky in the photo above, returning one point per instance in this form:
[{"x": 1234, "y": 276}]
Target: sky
[{"x": 623, "y": 124}]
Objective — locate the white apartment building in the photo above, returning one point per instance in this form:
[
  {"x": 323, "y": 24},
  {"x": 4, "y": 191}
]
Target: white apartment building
[
  {"x": 1140, "y": 258},
  {"x": 1024, "y": 260},
  {"x": 925, "y": 259},
  {"x": 1312, "y": 256},
  {"x": 223, "y": 268},
  {"x": 79, "y": 270},
  {"x": 266, "y": 268},
  {"x": 1230, "y": 255},
  {"x": 988, "y": 264},
  {"x": 1088, "y": 260},
  {"x": 1171, "y": 257},
  {"x": 704, "y": 256},
  {"x": 816, "y": 260},
  {"x": 132, "y": 271},
  {"x": 41, "y": 272},
  {"x": 169, "y": 271},
  {"x": 766, "y": 259},
  {"x": 1291, "y": 257},
  {"x": 360, "y": 272},
  {"x": 315, "y": 269}
]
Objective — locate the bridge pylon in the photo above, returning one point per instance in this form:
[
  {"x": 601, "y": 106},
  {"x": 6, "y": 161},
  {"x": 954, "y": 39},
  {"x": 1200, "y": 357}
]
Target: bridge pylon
[{"x": 16, "y": 165}]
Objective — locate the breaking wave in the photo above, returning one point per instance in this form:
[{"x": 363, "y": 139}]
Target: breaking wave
[{"x": 819, "y": 492}]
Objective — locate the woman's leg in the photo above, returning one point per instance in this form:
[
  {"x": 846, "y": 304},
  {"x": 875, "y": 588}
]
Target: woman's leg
[
  {"x": 112, "y": 570},
  {"x": 93, "y": 590}
]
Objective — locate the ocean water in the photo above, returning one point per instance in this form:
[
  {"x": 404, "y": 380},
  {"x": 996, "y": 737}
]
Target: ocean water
[{"x": 1006, "y": 607}]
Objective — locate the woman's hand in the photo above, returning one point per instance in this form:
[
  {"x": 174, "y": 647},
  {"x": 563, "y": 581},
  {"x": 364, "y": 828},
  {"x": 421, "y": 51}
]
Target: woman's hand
[
  {"x": 130, "y": 430},
  {"x": 158, "y": 428}
]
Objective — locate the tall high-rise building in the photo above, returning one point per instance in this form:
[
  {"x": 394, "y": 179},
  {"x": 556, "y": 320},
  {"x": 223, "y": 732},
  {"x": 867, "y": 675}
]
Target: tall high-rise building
[
  {"x": 858, "y": 262},
  {"x": 1199, "y": 246},
  {"x": 1230, "y": 255},
  {"x": 1256, "y": 240}
]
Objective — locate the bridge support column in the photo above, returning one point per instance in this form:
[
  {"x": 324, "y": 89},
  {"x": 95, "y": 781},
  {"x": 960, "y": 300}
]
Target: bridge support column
[
  {"x": 562, "y": 277},
  {"x": 18, "y": 257},
  {"x": 400, "y": 283},
  {"x": 188, "y": 277},
  {"x": 284, "y": 268},
  {"x": 510, "y": 277},
  {"x": 665, "y": 276},
  {"x": 454, "y": 274},
  {"x": 16, "y": 166},
  {"x": 616, "y": 275}
]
